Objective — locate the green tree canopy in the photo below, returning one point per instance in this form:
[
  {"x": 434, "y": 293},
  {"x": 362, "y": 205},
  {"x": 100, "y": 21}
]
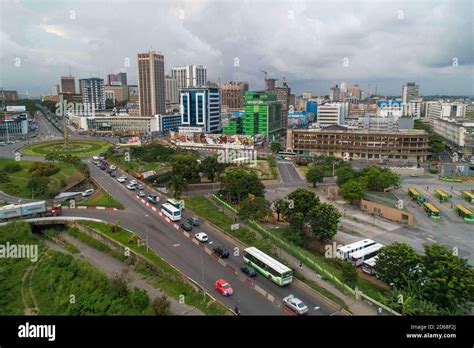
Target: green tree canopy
[
  {"x": 177, "y": 185},
  {"x": 353, "y": 190},
  {"x": 315, "y": 174},
  {"x": 237, "y": 184},
  {"x": 187, "y": 166},
  {"x": 254, "y": 209},
  {"x": 275, "y": 147},
  {"x": 323, "y": 221},
  {"x": 211, "y": 167}
]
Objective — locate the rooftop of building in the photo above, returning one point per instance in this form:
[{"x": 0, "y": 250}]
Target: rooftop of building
[
  {"x": 388, "y": 199},
  {"x": 341, "y": 129}
]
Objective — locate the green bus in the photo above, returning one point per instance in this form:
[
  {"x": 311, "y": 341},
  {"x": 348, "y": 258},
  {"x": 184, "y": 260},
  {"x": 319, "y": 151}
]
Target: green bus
[
  {"x": 286, "y": 155},
  {"x": 468, "y": 196},
  {"x": 465, "y": 213},
  {"x": 442, "y": 196},
  {"x": 268, "y": 266},
  {"x": 432, "y": 211},
  {"x": 416, "y": 196}
]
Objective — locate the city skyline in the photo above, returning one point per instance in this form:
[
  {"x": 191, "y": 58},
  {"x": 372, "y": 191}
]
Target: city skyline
[{"x": 313, "y": 44}]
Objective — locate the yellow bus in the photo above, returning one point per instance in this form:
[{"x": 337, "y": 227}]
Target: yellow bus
[
  {"x": 442, "y": 196},
  {"x": 415, "y": 195},
  {"x": 432, "y": 211},
  {"x": 468, "y": 196},
  {"x": 465, "y": 213}
]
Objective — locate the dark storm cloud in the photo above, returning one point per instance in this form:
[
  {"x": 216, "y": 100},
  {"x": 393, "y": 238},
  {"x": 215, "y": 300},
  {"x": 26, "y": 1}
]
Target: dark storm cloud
[{"x": 384, "y": 42}]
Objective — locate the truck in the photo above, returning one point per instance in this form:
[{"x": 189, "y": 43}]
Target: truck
[{"x": 28, "y": 210}]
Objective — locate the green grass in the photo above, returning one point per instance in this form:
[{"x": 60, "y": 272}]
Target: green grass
[
  {"x": 169, "y": 279},
  {"x": 19, "y": 179},
  {"x": 101, "y": 198},
  {"x": 80, "y": 148}
]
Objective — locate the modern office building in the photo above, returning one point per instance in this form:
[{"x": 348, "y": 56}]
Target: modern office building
[
  {"x": 56, "y": 89},
  {"x": 133, "y": 96},
  {"x": 262, "y": 115},
  {"x": 334, "y": 93},
  {"x": 13, "y": 126},
  {"x": 283, "y": 97},
  {"x": 389, "y": 108},
  {"x": 232, "y": 95},
  {"x": 354, "y": 92},
  {"x": 172, "y": 91},
  {"x": 190, "y": 76},
  {"x": 445, "y": 110},
  {"x": 122, "y": 78},
  {"x": 68, "y": 84},
  {"x": 200, "y": 107},
  {"x": 413, "y": 109},
  {"x": 410, "y": 92},
  {"x": 168, "y": 123},
  {"x": 234, "y": 126},
  {"x": 297, "y": 118},
  {"x": 117, "y": 79},
  {"x": 93, "y": 95},
  {"x": 332, "y": 114},
  {"x": 458, "y": 133},
  {"x": 120, "y": 93},
  {"x": 151, "y": 83},
  {"x": 270, "y": 84},
  {"x": 407, "y": 145}
]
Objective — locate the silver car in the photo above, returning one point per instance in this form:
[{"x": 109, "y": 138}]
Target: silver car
[{"x": 295, "y": 304}]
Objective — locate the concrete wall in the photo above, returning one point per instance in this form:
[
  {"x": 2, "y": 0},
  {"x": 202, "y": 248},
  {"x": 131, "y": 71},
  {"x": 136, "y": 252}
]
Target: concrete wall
[{"x": 388, "y": 213}]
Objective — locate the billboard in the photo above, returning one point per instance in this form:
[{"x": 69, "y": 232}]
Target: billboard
[
  {"x": 16, "y": 108},
  {"x": 237, "y": 141},
  {"x": 133, "y": 141}
]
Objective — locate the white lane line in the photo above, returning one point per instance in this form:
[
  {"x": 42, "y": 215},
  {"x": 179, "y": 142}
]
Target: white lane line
[{"x": 431, "y": 240}]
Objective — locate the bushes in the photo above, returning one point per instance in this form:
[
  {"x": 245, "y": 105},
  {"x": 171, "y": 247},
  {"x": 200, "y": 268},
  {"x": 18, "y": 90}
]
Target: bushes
[
  {"x": 43, "y": 169},
  {"x": 11, "y": 167},
  {"x": 161, "y": 306}
]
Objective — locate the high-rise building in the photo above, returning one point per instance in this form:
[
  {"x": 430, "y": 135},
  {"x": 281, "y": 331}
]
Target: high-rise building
[
  {"x": 68, "y": 84},
  {"x": 354, "y": 92},
  {"x": 334, "y": 93},
  {"x": 283, "y": 97},
  {"x": 410, "y": 92},
  {"x": 232, "y": 95},
  {"x": 332, "y": 114},
  {"x": 93, "y": 95},
  {"x": 151, "y": 83},
  {"x": 111, "y": 78},
  {"x": 200, "y": 107},
  {"x": 270, "y": 84},
  {"x": 307, "y": 95},
  {"x": 56, "y": 89},
  {"x": 8, "y": 95},
  {"x": 122, "y": 77},
  {"x": 262, "y": 115},
  {"x": 120, "y": 93},
  {"x": 172, "y": 92},
  {"x": 133, "y": 94},
  {"x": 190, "y": 75}
]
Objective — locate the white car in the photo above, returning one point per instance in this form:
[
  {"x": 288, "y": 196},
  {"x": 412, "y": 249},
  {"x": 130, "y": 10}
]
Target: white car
[
  {"x": 87, "y": 192},
  {"x": 141, "y": 194},
  {"x": 112, "y": 167},
  {"x": 202, "y": 237},
  {"x": 134, "y": 182},
  {"x": 131, "y": 187},
  {"x": 295, "y": 304},
  {"x": 140, "y": 187},
  {"x": 122, "y": 179}
]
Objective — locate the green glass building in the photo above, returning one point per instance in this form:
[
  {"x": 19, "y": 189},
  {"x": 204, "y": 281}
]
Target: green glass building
[
  {"x": 234, "y": 126},
  {"x": 262, "y": 115}
]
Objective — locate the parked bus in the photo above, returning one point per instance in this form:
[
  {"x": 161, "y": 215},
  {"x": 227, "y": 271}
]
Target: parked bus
[
  {"x": 416, "y": 196},
  {"x": 468, "y": 196},
  {"x": 432, "y": 211},
  {"x": 285, "y": 155},
  {"x": 175, "y": 203},
  {"x": 368, "y": 265},
  {"x": 442, "y": 196},
  {"x": 267, "y": 266},
  {"x": 171, "y": 212},
  {"x": 465, "y": 213},
  {"x": 344, "y": 251},
  {"x": 358, "y": 257}
]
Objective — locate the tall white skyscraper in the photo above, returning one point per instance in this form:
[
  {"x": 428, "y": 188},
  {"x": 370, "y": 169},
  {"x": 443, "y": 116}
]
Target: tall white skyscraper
[
  {"x": 92, "y": 91},
  {"x": 190, "y": 75}
]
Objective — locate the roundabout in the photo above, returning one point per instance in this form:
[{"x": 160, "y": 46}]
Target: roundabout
[{"x": 80, "y": 148}]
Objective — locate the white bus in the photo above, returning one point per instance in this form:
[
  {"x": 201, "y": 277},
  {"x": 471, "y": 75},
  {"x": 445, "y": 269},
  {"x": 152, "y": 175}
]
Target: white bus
[
  {"x": 171, "y": 212},
  {"x": 358, "y": 257},
  {"x": 268, "y": 266},
  {"x": 95, "y": 160},
  {"x": 175, "y": 203},
  {"x": 368, "y": 265},
  {"x": 344, "y": 251}
]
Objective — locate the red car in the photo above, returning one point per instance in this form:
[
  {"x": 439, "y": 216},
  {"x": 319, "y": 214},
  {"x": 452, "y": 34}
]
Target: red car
[{"x": 224, "y": 288}]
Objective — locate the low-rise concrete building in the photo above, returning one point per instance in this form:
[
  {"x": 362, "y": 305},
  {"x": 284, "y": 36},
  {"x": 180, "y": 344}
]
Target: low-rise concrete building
[{"x": 386, "y": 205}]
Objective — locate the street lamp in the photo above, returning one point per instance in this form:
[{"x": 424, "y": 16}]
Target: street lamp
[{"x": 146, "y": 231}]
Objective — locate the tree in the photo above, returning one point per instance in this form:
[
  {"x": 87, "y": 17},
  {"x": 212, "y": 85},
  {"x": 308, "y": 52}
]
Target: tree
[
  {"x": 275, "y": 147},
  {"x": 177, "y": 184},
  {"x": 379, "y": 179},
  {"x": 38, "y": 186},
  {"x": 278, "y": 206},
  {"x": 4, "y": 178},
  {"x": 349, "y": 273},
  {"x": 254, "y": 209},
  {"x": 315, "y": 174},
  {"x": 437, "y": 143},
  {"x": 323, "y": 221},
  {"x": 352, "y": 190},
  {"x": 397, "y": 264},
  {"x": 211, "y": 167},
  {"x": 296, "y": 211},
  {"x": 161, "y": 305},
  {"x": 447, "y": 280},
  {"x": 12, "y": 167},
  {"x": 237, "y": 184},
  {"x": 186, "y": 166},
  {"x": 345, "y": 173},
  {"x": 118, "y": 284},
  {"x": 139, "y": 299}
]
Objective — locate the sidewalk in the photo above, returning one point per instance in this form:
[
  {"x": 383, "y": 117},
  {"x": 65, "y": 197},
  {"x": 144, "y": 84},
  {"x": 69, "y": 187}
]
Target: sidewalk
[
  {"x": 357, "y": 307},
  {"x": 111, "y": 266}
]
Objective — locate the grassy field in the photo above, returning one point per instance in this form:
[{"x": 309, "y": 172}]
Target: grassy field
[
  {"x": 135, "y": 166},
  {"x": 168, "y": 279},
  {"x": 80, "y": 148},
  {"x": 102, "y": 199},
  {"x": 68, "y": 175}
]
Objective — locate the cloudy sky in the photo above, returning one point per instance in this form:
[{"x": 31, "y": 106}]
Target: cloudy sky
[{"x": 313, "y": 44}]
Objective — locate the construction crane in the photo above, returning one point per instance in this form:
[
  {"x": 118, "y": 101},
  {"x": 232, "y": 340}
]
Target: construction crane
[{"x": 265, "y": 74}]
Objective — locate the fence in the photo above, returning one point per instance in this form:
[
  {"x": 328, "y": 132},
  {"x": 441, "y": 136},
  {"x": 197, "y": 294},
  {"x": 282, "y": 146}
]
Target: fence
[{"x": 306, "y": 258}]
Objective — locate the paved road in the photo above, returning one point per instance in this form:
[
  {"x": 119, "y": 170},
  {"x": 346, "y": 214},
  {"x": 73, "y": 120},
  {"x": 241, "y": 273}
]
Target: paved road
[
  {"x": 178, "y": 250},
  {"x": 288, "y": 173}
]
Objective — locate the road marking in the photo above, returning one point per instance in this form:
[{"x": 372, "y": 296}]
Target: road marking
[
  {"x": 176, "y": 226},
  {"x": 176, "y": 245},
  {"x": 431, "y": 240}
]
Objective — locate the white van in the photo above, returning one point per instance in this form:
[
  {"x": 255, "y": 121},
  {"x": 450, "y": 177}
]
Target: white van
[{"x": 95, "y": 160}]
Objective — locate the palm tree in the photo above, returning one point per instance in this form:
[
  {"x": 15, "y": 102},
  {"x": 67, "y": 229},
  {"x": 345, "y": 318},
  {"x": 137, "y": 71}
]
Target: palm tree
[{"x": 177, "y": 184}]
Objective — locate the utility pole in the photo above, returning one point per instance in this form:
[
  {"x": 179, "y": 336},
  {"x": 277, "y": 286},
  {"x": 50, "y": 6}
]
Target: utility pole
[{"x": 61, "y": 99}]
